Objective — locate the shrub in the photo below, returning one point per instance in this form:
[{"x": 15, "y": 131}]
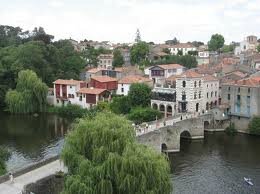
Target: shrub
[
  {"x": 231, "y": 129},
  {"x": 71, "y": 110},
  {"x": 120, "y": 105},
  {"x": 254, "y": 126},
  {"x": 4, "y": 156},
  {"x": 139, "y": 115}
]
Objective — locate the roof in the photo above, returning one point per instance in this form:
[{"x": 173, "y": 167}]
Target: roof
[
  {"x": 133, "y": 79},
  {"x": 170, "y": 66},
  {"x": 172, "y": 78},
  {"x": 183, "y": 45},
  {"x": 251, "y": 82},
  {"x": 68, "y": 82},
  {"x": 94, "y": 91},
  {"x": 119, "y": 69},
  {"x": 210, "y": 78},
  {"x": 190, "y": 74},
  {"x": 104, "y": 79},
  {"x": 95, "y": 70}
]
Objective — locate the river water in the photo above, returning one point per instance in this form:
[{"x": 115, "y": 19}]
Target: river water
[{"x": 216, "y": 164}]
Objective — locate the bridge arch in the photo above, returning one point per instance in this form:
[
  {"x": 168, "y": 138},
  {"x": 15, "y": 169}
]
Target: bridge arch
[
  {"x": 155, "y": 106},
  {"x": 206, "y": 124},
  {"x": 164, "y": 147},
  {"x": 185, "y": 134}
]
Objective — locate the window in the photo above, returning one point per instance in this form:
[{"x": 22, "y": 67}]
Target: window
[
  {"x": 238, "y": 97},
  {"x": 122, "y": 90},
  {"x": 228, "y": 88},
  {"x": 216, "y": 94},
  {"x": 195, "y": 84},
  {"x": 70, "y": 87},
  {"x": 184, "y": 84},
  {"x": 199, "y": 94},
  {"x": 183, "y": 96},
  {"x": 228, "y": 97},
  {"x": 57, "y": 101},
  {"x": 200, "y": 83},
  {"x": 80, "y": 98},
  {"x": 248, "y": 90},
  {"x": 195, "y": 95},
  {"x": 211, "y": 94},
  {"x": 238, "y": 90},
  {"x": 207, "y": 95},
  {"x": 248, "y": 100},
  {"x": 248, "y": 110},
  {"x": 207, "y": 85}
]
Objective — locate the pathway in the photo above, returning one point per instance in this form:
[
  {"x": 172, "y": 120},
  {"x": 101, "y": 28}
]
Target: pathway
[{"x": 19, "y": 182}]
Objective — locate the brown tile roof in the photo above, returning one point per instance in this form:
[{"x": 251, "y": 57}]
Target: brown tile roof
[
  {"x": 170, "y": 66},
  {"x": 94, "y": 91},
  {"x": 251, "y": 82},
  {"x": 190, "y": 74},
  {"x": 68, "y": 82},
  {"x": 104, "y": 79},
  {"x": 238, "y": 73},
  {"x": 210, "y": 78},
  {"x": 95, "y": 70},
  {"x": 172, "y": 78},
  {"x": 133, "y": 79}
]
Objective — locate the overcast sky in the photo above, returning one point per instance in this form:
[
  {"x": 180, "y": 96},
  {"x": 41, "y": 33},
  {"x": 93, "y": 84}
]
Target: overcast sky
[{"x": 117, "y": 20}]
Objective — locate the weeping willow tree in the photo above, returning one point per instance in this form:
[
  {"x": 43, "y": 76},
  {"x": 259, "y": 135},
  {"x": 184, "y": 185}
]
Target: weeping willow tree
[
  {"x": 29, "y": 96},
  {"x": 103, "y": 157}
]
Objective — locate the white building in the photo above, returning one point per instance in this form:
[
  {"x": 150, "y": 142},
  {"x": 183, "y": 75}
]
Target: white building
[
  {"x": 210, "y": 92},
  {"x": 189, "y": 92},
  {"x": 65, "y": 91},
  {"x": 125, "y": 83},
  {"x": 184, "y": 47},
  {"x": 164, "y": 100},
  {"x": 159, "y": 73},
  {"x": 105, "y": 61},
  {"x": 250, "y": 43}
]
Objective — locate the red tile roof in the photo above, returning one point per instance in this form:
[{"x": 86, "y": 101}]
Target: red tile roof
[
  {"x": 94, "y": 91},
  {"x": 104, "y": 79},
  {"x": 95, "y": 70},
  {"x": 183, "y": 45},
  {"x": 210, "y": 78},
  {"x": 251, "y": 82},
  {"x": 134, "y": 79},
  {"x": 190, "y": 74},
  {"x": 68, "y": 82},
  {"x": 170, "y": 66}
]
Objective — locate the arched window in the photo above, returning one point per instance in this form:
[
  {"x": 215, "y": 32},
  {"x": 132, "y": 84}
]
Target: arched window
[
  {"x": 197, "y": 107},
  {"x": 199, "y": 94},
  {"x": 195, "y": 95},
  {"x": 183, "y": 95},
  {"x": 200, "y": 83},
  {"x": 195, "y": 84},
  {"x": 184, "y": 84}
]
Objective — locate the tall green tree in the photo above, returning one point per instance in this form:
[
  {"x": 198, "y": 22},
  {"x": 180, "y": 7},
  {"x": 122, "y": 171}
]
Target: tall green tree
[
  {"x": 29, "y": 96},
  {"x": 139, "y": 52},
  {"x": 139, "y": 115},
  {"x": 216, "y": 42},
  {"x": 139, "y": 94},
  {"x": 118, "y": 59},
  {"x": 120, "y": 105},
  {"x": 103, "y": 157}
]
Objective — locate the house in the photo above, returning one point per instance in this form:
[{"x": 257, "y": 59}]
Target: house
[
  {"x": 89, "y": 97},
  {"x": 104, "y": 82},
  {"x": 161, "y": 72},
  {"x": 189, "y": 92},
  {"x": 243, "y": 98},
  {"x": 210, "y": 92},
  {"x": 65, "y": 91},
  {"x": 125, "y": 83},
  {"x": 126, "y": 55},
  {"x": 105, "y": 61},
  {"x": 183, "y": 47},
  {"x": 115, "y": 73},
  {"x": 203, "y": 57}
]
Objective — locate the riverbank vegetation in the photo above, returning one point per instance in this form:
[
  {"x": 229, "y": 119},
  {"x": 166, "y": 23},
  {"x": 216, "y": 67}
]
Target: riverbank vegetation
[
  {"x": 231, "y": 129},
  {"x": 4, "y": 156},
  {"x": 29, "y": 96},
  {"x": 254, "y": 126},
  {"x": 103, "y": 156},
  {"x": 35, "y": 50}
]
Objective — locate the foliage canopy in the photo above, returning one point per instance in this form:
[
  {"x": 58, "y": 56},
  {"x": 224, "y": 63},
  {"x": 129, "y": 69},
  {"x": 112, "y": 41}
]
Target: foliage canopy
[{"x": 103, "y": 157}]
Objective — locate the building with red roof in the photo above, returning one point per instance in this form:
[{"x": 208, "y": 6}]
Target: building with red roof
[{"x": 104, "y": 82}]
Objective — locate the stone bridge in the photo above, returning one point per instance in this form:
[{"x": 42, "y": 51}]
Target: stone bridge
[{"x": 166, "y": 136}]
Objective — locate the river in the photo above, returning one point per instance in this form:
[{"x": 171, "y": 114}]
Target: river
[{"x": 216, "y": 164}]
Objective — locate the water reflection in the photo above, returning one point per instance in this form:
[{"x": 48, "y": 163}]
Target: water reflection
[
  {"x": 31, "y": 138},
  {"x": 217, "y": 164}
]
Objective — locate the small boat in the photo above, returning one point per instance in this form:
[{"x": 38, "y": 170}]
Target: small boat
[{"x": 248, "y": 181}]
